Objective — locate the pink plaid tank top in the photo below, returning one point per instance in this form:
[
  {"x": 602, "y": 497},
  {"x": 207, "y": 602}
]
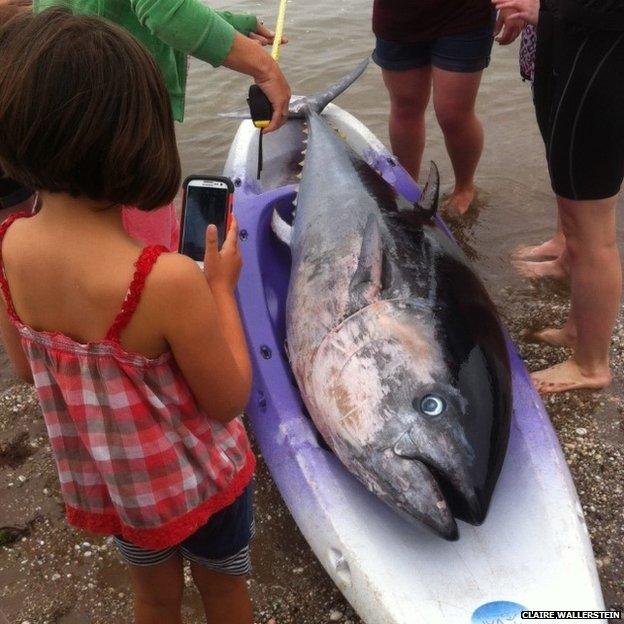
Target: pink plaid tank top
[{"x": 136, "y": 455}]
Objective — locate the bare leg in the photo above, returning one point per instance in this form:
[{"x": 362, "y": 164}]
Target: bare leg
[
  {"x": 409, "y": 95},
  {"x": 454, "y": 97},
  {"x": 225, "y": 598},
  {"x": 596, "y": 288},
  {"x": 550, "y": 250},
  {"x": 557, "y": 269},
  {"x": 158, "y": 592},
  {"x": 557, "y": 337},
  {"x": 546, "y": 260}
]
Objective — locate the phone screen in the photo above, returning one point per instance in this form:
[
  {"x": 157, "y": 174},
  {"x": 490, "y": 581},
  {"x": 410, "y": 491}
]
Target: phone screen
[{"x": 205, "y": 203}]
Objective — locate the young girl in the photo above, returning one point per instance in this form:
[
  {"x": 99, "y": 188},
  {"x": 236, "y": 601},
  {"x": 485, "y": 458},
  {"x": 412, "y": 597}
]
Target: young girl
[
  {"x": 138, "y": 358},
  {"x": 171, "y": 32}
]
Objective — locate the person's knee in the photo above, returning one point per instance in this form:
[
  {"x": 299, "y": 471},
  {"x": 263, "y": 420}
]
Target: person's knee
[
  {"x": 407, "y": 109},
  {"x": 453, "y": 120},
  {"x": 574, "y": 249},
  {"x": 154, "y": 598},
  {"x": 211, "y": 583},
  {"x": 171, "y": 602},
  {"x": 599, "y": 252}
]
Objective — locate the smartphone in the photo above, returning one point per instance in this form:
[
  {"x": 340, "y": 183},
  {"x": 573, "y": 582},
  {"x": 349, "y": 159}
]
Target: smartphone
[{"x": 206, "y": 200}]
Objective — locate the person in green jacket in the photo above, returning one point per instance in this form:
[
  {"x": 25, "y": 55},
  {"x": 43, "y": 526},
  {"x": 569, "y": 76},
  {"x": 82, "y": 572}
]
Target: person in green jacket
[{"x": 173, "y": 30}]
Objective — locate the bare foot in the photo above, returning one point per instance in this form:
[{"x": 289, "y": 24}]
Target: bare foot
[
  {"x": 569, "y": 376},
  {"x": 552, "y": 336},
  {"x": 459, "y": 202},
  {"x": 539, "y": 270},
  {"x": 550, "y": 250}
]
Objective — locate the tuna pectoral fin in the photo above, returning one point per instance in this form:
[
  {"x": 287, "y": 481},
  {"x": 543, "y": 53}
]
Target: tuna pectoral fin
[
  {"x": 366, "y": 283},
  {"x": 427, "y": 206},
  {"x": 280, "y": 228}
]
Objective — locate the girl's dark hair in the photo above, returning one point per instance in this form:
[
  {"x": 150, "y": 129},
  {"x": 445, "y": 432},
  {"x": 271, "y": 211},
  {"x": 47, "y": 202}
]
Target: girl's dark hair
[
  {"x": 7, "y": 11},
  {"x": 84, "y": 111}
]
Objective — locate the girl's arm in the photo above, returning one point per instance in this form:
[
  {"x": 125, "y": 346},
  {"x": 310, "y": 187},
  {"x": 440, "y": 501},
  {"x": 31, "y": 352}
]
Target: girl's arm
[
  {"x": 203, "y": 328},
  {"x": 222, "y": 270},
  {"x": 13, "y": 346}
]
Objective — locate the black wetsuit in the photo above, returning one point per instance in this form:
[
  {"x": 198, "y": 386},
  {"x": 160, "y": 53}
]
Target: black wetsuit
[{"x": 579, "y": 95}]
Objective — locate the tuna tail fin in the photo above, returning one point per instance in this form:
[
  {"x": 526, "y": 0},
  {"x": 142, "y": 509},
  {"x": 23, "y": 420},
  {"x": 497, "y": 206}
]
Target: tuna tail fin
[
  {"x": 319, "y": 101},
  {"x": 302, "y": 106},
  {"x": 366, "y": 283}
]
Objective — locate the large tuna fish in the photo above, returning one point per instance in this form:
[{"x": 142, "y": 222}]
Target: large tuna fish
[{"x": 392, "y": 338}]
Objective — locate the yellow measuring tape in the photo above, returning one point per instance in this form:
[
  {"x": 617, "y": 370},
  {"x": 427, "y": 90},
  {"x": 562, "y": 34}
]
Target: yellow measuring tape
[
  {"x": 279, "y": 30},
  {"x": 259, "y": 104}
]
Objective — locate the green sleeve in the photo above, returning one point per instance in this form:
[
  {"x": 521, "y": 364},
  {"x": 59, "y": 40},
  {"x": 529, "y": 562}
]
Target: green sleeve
[
  {"x": 245, "y": 23},
  {"x": 188, "y": 26}
]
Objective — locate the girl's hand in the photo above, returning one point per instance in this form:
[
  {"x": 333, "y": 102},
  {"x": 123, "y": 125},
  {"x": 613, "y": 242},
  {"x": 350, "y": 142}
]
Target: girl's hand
[
  {"x": 263, "y": 35},
  {"x": 222, "y": 268},
  {"x": 527, "y": 10}
]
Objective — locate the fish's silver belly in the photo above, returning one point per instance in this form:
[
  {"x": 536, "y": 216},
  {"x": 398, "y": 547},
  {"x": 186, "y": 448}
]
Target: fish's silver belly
[{"x": 318, "y": 300}]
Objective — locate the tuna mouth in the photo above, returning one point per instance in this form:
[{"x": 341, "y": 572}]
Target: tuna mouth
[
  {"x": 422, "y": 499},
  {"x": 464, "y": 502},
  {"x": 462, "y": 497}
]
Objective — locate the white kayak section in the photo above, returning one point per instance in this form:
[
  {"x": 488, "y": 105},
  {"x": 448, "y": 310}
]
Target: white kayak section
[{"x": 532, "y": 552}]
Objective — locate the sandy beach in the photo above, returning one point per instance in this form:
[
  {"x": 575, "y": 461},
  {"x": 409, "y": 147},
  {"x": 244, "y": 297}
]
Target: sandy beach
[{"x": 53, "y": 574}]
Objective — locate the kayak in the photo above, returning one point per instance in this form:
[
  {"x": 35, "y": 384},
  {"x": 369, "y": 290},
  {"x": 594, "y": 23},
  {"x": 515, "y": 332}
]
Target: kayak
[{"x": 532, "y": 552}]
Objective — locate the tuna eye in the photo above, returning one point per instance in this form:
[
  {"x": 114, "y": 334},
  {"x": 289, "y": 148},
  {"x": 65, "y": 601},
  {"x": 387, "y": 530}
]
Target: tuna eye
[{"x": 432, "y": 405}]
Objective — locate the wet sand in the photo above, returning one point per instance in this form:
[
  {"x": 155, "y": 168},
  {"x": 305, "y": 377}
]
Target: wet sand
[{"x": 50, "y": 573}]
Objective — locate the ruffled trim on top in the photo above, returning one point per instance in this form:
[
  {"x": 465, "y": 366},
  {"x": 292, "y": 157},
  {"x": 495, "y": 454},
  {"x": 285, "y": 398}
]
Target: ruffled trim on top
[
  {"x": 143, "y": 266},
  {"x": 173, "y": 532},
  {"x": 4, "y": 284}
]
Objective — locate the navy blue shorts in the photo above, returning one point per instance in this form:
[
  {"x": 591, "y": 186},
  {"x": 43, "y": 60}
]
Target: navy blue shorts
[
  {"x": 222, "y": 544},
  {"x": 466, "y": 52}
]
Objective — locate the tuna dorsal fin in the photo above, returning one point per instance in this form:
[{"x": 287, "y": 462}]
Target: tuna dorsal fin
[
  {"x": 280, "y": 228},
  {"x": 426, "y": 207},
  {"x": 366, "y": 283}
]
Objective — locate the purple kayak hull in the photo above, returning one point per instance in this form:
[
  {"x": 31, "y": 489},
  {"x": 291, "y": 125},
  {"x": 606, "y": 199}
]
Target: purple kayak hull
[{"x": 532, "y": 551}]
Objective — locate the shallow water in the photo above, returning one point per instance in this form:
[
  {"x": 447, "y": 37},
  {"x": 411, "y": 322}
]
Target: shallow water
[{"x": 327, "y": 40}]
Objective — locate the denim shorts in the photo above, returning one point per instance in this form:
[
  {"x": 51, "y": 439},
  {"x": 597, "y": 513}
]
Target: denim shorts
[
  {"x": 221, "y": 545},
  {"x": 465, "y": 52}
]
